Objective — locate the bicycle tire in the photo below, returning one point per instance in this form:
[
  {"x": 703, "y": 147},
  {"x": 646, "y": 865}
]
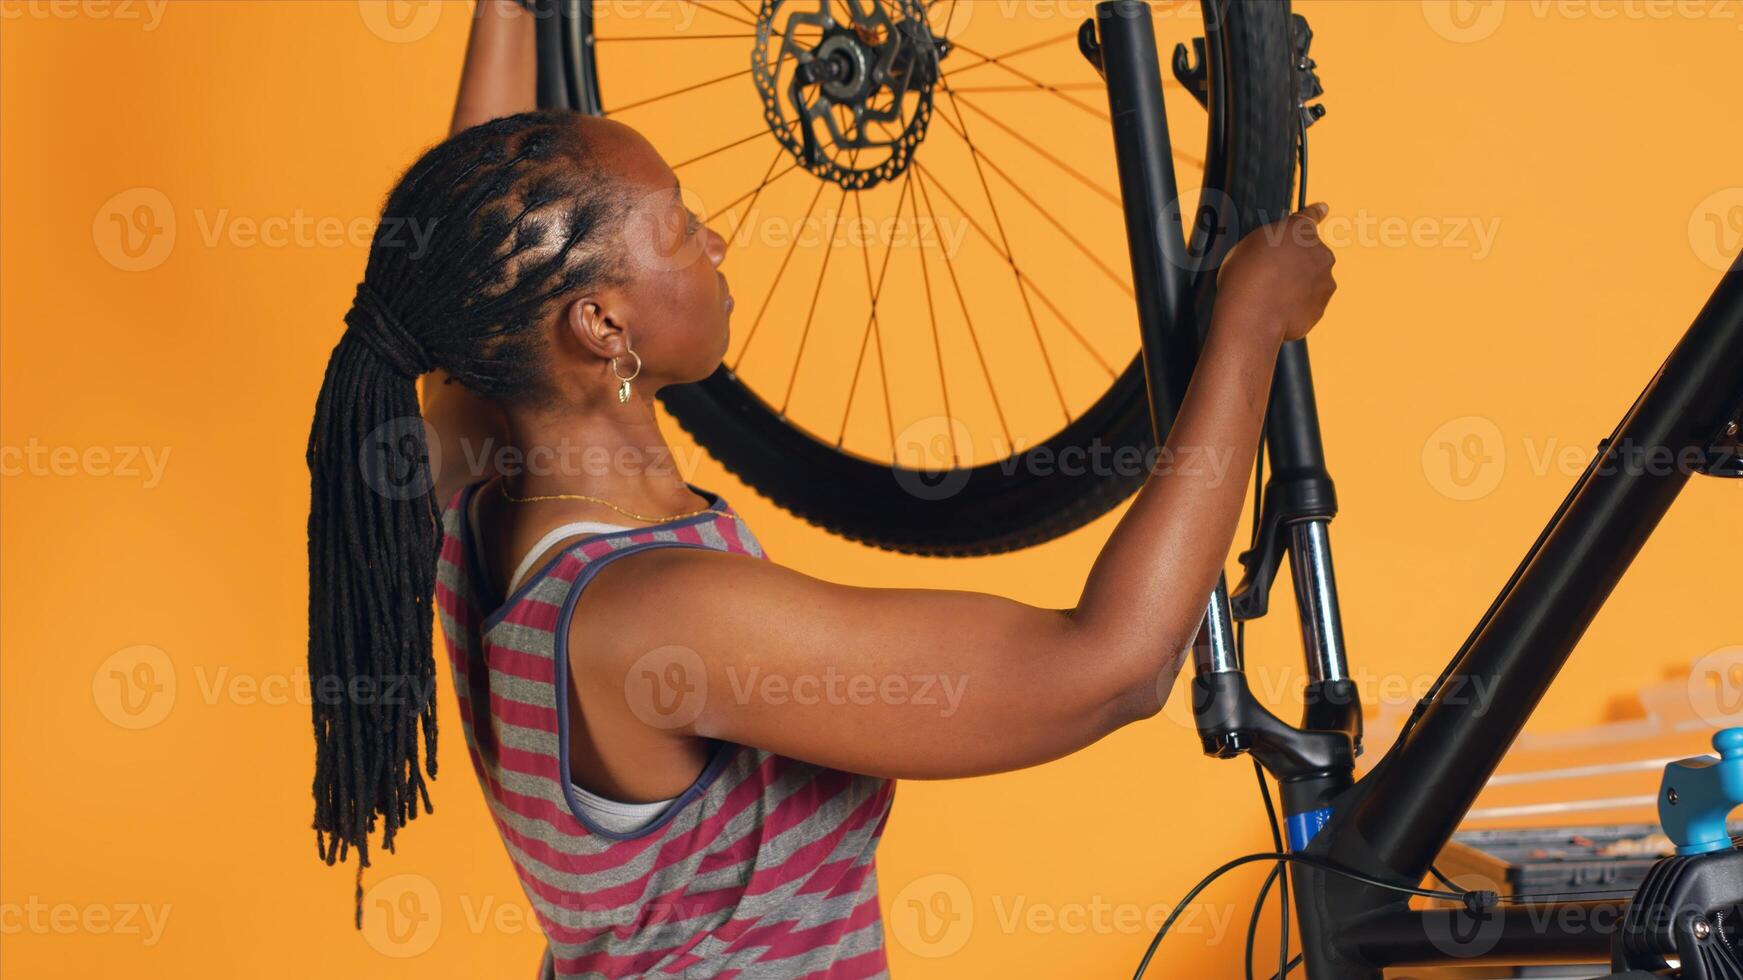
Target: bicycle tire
[{"x": 1015, "y": 502}]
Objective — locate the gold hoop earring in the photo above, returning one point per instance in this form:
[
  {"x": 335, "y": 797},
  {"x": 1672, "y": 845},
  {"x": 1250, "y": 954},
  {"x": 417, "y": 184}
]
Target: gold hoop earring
[{"x": 623, "y": 382}]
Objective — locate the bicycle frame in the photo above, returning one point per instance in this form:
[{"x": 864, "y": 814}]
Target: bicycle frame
[{"x": 1394, "y": 821}]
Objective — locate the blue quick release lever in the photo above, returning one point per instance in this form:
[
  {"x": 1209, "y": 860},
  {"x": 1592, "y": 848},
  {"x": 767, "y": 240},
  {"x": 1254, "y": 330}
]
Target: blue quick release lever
[{"x": 1698, "y": 794}]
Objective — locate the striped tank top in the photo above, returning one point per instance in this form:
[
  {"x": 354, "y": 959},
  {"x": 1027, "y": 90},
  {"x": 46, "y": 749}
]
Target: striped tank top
[{"x": 762, "y": 868}]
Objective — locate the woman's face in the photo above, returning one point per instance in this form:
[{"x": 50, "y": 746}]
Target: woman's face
[{"x": 675, "y": 289}]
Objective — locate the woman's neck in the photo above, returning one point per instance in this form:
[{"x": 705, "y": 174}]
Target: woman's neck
[{"x": 616, "y": 453}]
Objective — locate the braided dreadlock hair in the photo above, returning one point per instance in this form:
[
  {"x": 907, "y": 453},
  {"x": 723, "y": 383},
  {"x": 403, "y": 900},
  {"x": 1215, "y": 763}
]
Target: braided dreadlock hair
[{"x": 476, "y": 244}]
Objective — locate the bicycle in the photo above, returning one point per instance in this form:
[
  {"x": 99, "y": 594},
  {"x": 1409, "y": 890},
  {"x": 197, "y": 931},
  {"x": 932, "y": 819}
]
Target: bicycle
[{"x": 1359, "y": 847}]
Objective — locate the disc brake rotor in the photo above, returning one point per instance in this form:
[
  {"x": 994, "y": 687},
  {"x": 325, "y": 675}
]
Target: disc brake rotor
[{"x": 850, "y": 99}]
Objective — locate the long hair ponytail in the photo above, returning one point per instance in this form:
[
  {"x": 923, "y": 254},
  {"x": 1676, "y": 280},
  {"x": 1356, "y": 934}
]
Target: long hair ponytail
[{"x": 475, "y": 243}]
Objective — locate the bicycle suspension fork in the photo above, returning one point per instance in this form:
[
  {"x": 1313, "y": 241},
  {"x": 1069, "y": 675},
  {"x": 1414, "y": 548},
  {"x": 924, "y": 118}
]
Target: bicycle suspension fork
[{"x": 1174, "y": 288}]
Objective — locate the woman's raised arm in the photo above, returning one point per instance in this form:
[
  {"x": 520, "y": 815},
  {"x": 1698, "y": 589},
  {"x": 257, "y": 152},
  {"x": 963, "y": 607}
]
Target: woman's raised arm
[
  {"x": 930, "y": 684},
  {"x": 499, "y": 78}
]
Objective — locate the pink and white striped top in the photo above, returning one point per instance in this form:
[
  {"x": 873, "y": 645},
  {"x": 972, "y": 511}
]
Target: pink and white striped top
[{"x": 762, "y": 868}]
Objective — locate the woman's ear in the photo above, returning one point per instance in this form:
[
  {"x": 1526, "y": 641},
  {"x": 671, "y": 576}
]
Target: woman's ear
[{"x": 595, "y": 322}]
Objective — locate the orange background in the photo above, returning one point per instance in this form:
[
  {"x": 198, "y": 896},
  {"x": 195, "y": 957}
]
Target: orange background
[{"x": 1589, "y": 136}]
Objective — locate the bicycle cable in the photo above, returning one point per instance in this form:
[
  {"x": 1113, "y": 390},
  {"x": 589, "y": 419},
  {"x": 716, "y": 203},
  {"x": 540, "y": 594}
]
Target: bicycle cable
[
  {"x": 1281, "y": 870},
  {"x": 1473, "y": 901}
]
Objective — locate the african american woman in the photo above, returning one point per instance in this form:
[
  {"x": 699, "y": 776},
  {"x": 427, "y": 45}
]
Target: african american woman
[{"x": 559, "y": 282}]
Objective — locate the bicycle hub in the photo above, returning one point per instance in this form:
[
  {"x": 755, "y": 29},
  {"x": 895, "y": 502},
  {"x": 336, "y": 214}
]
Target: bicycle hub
[{"x": 849, "y": 99}]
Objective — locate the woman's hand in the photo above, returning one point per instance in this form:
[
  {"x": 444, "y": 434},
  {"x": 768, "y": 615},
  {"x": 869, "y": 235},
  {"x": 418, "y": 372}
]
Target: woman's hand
[{"x": 1282, "y": 273}]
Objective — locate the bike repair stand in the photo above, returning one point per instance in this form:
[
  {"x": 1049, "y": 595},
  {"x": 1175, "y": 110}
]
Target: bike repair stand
[{"x": 1688, "y": 906}]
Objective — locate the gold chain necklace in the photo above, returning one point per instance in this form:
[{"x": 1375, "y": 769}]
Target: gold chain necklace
[{"x": 503, "y": 486}]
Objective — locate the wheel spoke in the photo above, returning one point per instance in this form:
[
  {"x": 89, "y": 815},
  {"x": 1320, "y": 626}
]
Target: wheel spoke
[
  {"x": 1024, "y": 276},
  {"x": 681, "y": 91},
  {"x": 1105, "y": 194},
  {"x": 816, "y": 294},
  {"x": 739, "y": 142},
  {"x": 937, "y": 350},
  {"x": 776, "y": 284},
  {"x": 1010, "y": 254},
  {"x": 674, "y": 37},
  {"x": 950, "y": 267},
  {"x": 1088, "y": 253},
  {"x": 1066, "y": 87},
  {"x": 871, "y": 321},
  {"x": 1025, "y": 49},
  {"x": 732, "y": 17},
  {"x": 1032, "y": 80},
  {"x": 753, "y": 194}
]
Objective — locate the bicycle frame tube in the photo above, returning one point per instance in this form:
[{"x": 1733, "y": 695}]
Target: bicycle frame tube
[{"x": 1395, "y": 821}]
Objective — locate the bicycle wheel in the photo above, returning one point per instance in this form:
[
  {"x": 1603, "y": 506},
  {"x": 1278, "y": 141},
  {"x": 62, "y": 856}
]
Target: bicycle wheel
[{"x": 971, "y": 379}]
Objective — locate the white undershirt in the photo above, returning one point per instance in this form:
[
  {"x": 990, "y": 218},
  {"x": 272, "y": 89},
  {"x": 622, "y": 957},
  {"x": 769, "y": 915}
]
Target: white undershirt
[{"x": 613, "y": 815}]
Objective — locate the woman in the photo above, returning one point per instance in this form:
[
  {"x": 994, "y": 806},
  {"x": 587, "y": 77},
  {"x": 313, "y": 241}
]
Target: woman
[{"x": 613, "y": 631}]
